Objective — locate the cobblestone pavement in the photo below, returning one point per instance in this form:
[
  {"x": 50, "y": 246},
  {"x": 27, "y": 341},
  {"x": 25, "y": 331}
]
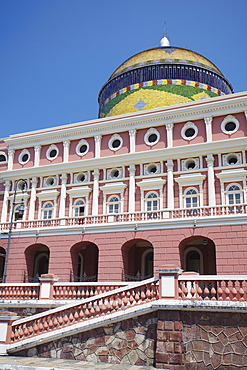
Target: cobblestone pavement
[{"x": 35, "y": 363}]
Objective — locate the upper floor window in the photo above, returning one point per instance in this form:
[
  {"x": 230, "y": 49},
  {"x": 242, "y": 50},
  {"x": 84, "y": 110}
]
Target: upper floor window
[
  {"x": 191, "y": 199},
  {"x": 82, "y": 147},
  {"x": 47, "y": 211},
  {"x": 24, "y": 156},
  {"x": 18, "y": 212},
  {"x": 234, "y": 194},
  {"x": 152, "y": 136},
  {"x": 52, "y": 152},
  {"x": 229, "y": 125},
  {"x": 189, "y": 131},
  {"x": 115, "y": 142},
  {"x": 152, "y": 202},
  {"x": 79, "y": 208},
  {"x": 113, "y": 204}
]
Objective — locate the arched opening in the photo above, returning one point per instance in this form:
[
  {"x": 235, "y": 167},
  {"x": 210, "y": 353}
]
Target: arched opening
[
  {"x": 37, "y": 260},
  {"x": 198, "y": 254},
  {"x": 84, "y": 257},
  {"x": 137, "y": 260},
  {"x": 2, "y": 262}
]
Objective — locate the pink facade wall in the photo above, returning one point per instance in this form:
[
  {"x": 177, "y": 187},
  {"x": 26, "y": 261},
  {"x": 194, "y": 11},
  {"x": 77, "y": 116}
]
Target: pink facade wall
[
  {"x": 30, "y": 163},
  {"x": 142, "y": 146},
  {"x": 58, "y": 159},
  {"x": 231, "y": 253}
]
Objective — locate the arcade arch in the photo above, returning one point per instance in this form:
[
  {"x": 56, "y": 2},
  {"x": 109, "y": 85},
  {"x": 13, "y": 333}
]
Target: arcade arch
[
  {"x": 137, "y": 257},
  {"x": 37, "y": 261},
  {"x": 198, "y": 254},
  {"x": 84, "y": 256}
]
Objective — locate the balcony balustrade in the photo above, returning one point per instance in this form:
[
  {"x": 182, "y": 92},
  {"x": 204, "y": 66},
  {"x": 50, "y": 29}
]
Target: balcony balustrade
[{"x": 166, "y": 214}]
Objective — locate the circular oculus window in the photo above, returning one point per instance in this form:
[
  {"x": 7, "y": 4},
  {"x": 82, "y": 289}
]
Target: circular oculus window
[
  {"x": 82, "y": 147},
  {"x": 80, "y": 177},
  {"x": 152, "y": 136},
  {"x": 189, "y": 131},
  {"x": 24, "y": 156},
  {"x": 115, "y": 142},
  {"x": 190, "y": 165},
  {"x": 232, "y": 159},
  {"x": 229, "y": 125},
  {"x": 152, "y": 168},
  {"x": 52, "y": 152},
  {"x": 50, "y": 181}
]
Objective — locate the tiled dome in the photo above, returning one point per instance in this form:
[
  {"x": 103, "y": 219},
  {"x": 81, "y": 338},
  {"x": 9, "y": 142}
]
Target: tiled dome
[{"x": 159, "y": 77}]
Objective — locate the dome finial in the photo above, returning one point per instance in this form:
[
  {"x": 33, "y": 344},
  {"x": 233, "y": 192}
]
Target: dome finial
[{"x": 164, "y": 40}]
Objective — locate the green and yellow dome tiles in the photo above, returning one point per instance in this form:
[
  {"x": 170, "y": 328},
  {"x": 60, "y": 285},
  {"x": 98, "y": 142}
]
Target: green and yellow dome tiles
[{"x": 160, "y": 77}]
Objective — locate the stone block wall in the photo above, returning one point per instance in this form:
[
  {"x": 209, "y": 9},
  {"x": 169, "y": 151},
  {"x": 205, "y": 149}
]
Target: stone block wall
[{"x": 167, "y": 339}]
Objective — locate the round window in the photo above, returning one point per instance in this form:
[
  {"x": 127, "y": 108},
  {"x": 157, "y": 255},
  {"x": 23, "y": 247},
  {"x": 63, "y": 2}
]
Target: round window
[
  {"x": 152, "y": 138},
  {"x": 191, "y": 165},
  {"x": 230, "y": 126},
  {"x": 81, "y": 177},
  {"x": 115, "y": 142},
  {"x": 83, "y": 148},
  {"x": 25, "y": 157},
  {"x": 50, "y": 181},
  {"x": 152, "y": 168},
  {"x": 189, "y": 132},
  {"x": 53, "y": 153},
  {"x": 232, "y": 160}
]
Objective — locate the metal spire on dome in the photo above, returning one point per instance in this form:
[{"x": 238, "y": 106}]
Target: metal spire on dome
[{"x": 164, "y": 40}]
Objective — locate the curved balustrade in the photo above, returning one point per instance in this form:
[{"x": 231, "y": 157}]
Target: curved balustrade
[
  {"x": 220, "y": 288},
  {"x": 106, "y": 303}
]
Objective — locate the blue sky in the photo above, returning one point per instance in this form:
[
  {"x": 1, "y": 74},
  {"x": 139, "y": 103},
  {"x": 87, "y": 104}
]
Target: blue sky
[{"x": 56, "y": 54}]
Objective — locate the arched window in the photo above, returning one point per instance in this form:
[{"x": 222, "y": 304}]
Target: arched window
[
  {"x": 79, "y": 208},
  {"x": 18, "y": 212},
  {"x": 113, "y": 204},
  {"x": 191, "y": 199},
  {"x": 47, "y": 210},
  {"x": 234, "y": 194},
  {"x": 193, "y": 260},
  {"x": 152, "y": 202}
]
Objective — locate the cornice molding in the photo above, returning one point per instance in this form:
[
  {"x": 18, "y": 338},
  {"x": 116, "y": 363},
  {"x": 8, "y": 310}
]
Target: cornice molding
[{"x": 232, "y": 103}]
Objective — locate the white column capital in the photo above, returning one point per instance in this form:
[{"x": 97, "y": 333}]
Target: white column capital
[
  {"x": 34, "y": 181},
  {"x": 96, "y": 173},
  {"x": 7, "y": 185},
  {"x": 37, "y": 148},
  {"x": 169, "y": 126},
  {"x": 11, "y": 151},
  {"x": 208, "y": 120},
  {"x": 169, "y": 165},
  {"x": 97, "y": 138},
  {"x": 132, "y": 169},
  {"x": 132, "y": 132},
  {"x": 210, "y": 160},
  {"x": 64, "y": 177},
  {"x": 66, "y": 143}
]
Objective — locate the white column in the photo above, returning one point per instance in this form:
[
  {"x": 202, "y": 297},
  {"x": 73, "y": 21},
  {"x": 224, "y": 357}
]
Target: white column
[
  {"x": 11, "y": 153},
  {"x": 222, "y": 190},
  {"x": 132, "y": 134},
  {"x": 211, "y": 187},
  {"x": 132, "y": 170},
  {"x": 66, "y": 145},
  {"x": 208, "y": 123},
  {"x": 142, "y": 201},
  {"x": 37, "y": 150},
  {"x": 170, "y": 184},
  {"x": 97, "y": 139},
  {"x": 62, "y": 196},
  {"x": 244, "y": 191},
  {"x": 169, "y": 130},
  {"x": 243, "y": 156},
  {"x": 5, "y": 201},
  {"x": 200, "y": 195},
  {"x": 32, "y": 199},
  {"x": 95, "y": 206},
  {"x": 181, "y": 205}
]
